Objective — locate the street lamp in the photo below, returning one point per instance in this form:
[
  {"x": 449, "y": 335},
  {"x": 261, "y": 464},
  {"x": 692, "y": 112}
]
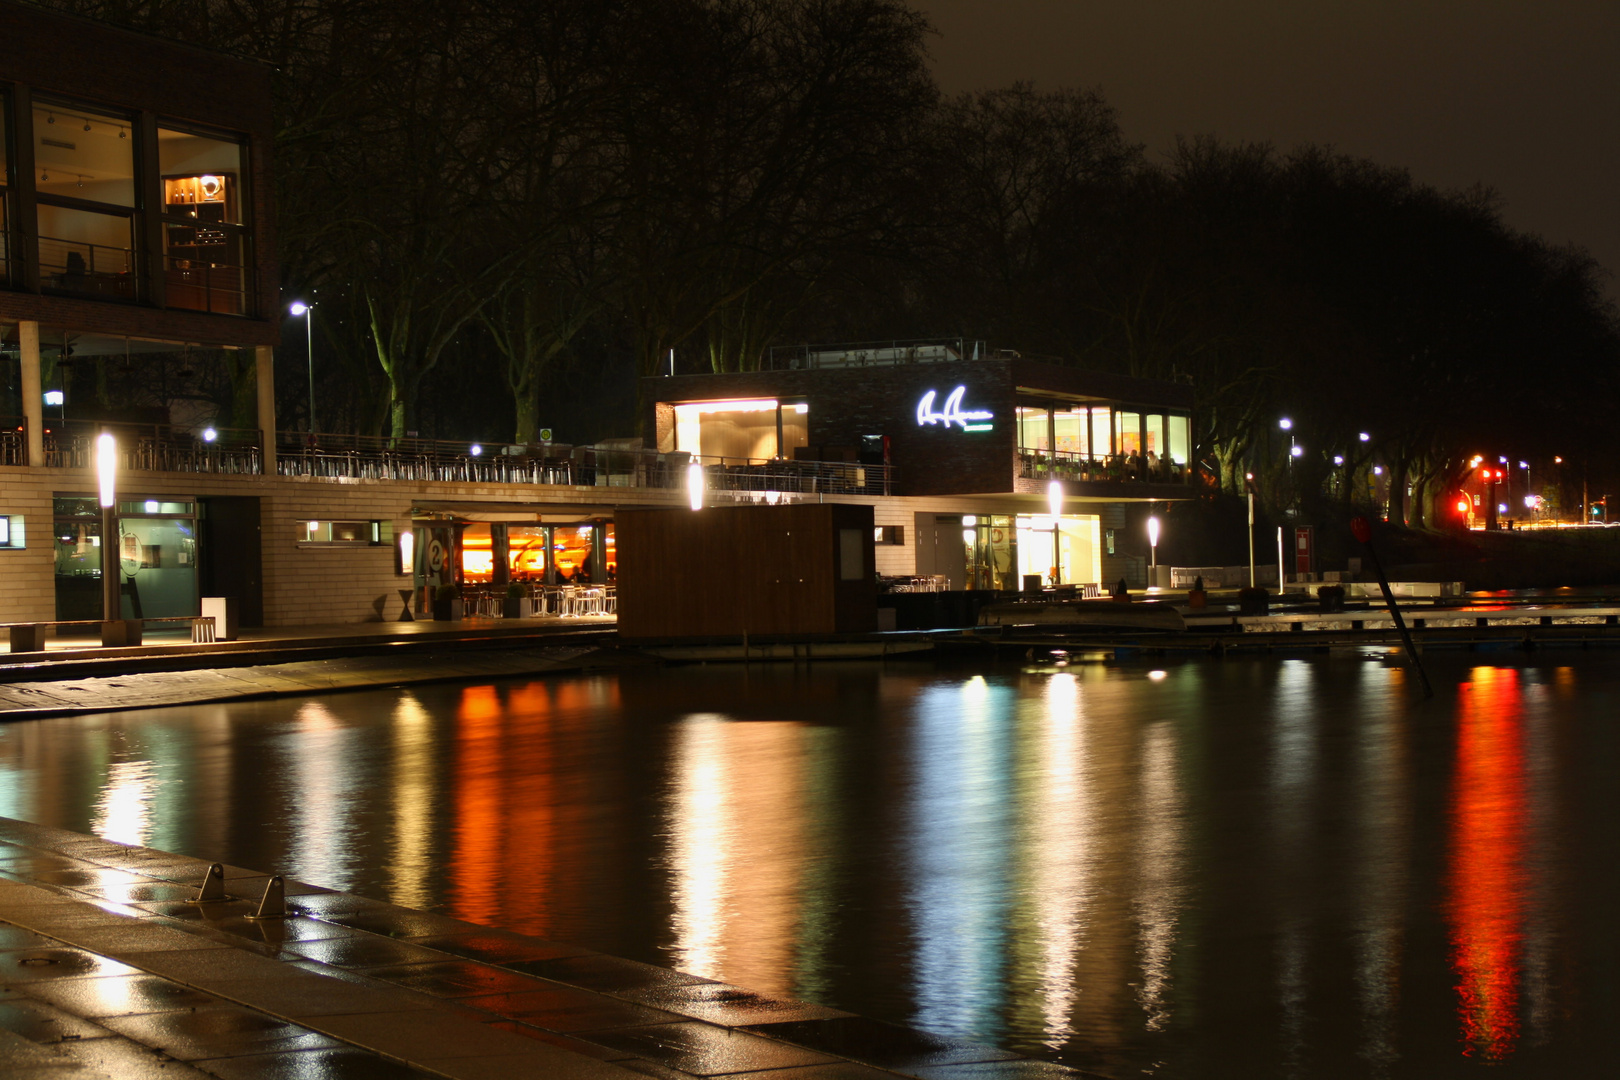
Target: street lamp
[
  {"x": 1054, "y": 503},
  {"x": 106, "y": 475},
  {"x": 300, "y": 308},
  {"x": 1153, "y": 549}
]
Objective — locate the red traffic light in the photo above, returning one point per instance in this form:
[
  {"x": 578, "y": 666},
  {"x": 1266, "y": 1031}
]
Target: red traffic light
[{"x": 1462, "y": 506}]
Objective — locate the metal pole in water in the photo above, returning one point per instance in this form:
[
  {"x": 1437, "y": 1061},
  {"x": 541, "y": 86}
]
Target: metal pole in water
[{"x": 1363, "y": 531}]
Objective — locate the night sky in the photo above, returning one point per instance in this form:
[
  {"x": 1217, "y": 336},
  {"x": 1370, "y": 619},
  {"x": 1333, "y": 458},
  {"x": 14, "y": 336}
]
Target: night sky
[{"x": 1521, "y": 96}]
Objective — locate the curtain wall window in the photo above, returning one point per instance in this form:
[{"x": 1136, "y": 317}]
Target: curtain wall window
[{"x": 85, "y": 186}]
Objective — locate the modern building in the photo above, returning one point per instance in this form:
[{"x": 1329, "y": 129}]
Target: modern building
[{"x": 984, "y": 469}]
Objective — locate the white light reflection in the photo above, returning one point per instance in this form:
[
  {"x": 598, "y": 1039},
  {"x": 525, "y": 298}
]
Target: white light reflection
[
  {"x": 1293, "y": 781},
  {"x": 737, "y": 831},
  {"x": 1061, "y": 827},
  {"x": 123, "y": 810},
  {"x": 957, "y": 845},
  {"x": 325, "y": 776},
  {"x": 1160, "y": 852},
  {"x": 1383, "y": 844},
  {"x": 411, "y": 867}
]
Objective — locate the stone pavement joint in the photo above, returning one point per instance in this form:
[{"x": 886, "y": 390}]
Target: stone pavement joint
[{"x": 106, "y": 972}]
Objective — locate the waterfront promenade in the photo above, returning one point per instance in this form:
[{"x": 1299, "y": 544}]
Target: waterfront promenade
[{"x": 107, "y": 971}]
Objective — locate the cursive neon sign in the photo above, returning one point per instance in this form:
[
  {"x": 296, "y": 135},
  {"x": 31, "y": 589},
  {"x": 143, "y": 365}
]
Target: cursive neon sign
[{"x": 953, "y": 413}]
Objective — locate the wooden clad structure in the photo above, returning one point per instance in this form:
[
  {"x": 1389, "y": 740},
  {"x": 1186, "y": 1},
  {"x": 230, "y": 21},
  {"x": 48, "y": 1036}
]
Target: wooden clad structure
[{"x": 764, "y": 571}]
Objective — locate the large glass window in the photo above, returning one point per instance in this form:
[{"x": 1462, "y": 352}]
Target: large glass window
[
  {"x": 1100, "y": 420},
  {"x": 84, "y": 162},
  {"x": 1034, "y": 431},
  {"x": 1069, "y": 427},
  {"x": 1180, "y": 439},
  {"x": 741, "y": 431},
  {"x": 205, "y": 245},
  {"x": 1127, "y": 433}
]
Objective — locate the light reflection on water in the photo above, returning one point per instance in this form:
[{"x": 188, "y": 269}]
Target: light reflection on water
[{"x": 1243, "y": 868}]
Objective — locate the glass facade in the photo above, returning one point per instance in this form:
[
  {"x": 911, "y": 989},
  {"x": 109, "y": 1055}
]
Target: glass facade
[
  {"x": 204, "y": 239},
  {"x": 1002, "y": 550},
  {"x": 92, "y": 193},
  {"x": 157, "y": 558},
  {"x": 742, "y": 431}
]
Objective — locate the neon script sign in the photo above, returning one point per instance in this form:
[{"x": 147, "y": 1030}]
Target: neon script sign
[{"x": 953, "y": 413}]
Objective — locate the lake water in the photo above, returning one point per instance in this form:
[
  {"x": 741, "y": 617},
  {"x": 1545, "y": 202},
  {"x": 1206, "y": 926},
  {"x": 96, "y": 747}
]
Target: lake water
[{"x": 1252, "y": 867}]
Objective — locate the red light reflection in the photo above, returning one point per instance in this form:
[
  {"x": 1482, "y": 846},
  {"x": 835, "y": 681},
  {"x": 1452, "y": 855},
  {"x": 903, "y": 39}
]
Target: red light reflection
[{"x": 1486, "y": 879}]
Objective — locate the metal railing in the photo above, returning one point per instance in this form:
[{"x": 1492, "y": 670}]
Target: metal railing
[
  {"x": 1104, "y": 468},
  {"x": 154, "y": 448},
  {"x": 196, "y": 285},
  {"x": 87, "y": 269},
  {"x": 163, "y": 448},
  {"x": 360, "y": 457}
]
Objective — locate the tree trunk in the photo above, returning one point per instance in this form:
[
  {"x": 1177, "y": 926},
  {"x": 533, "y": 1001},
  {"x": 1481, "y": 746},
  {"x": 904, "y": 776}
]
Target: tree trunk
[{"x": 1396, "y": 507}]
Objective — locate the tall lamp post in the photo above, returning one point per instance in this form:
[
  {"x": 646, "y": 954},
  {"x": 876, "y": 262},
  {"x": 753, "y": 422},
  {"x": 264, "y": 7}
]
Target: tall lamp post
[
  {"x": 1054, "y": 503},
  {"x": 1153, "y": 549},
  {"x": 297, "y": 308},
  {"x": 112, "y": 629}
]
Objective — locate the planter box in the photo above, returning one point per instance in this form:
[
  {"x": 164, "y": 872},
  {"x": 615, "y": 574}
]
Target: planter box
[
  {"x": 447, "y": 610},
  {"x": 521, "y": 607}
]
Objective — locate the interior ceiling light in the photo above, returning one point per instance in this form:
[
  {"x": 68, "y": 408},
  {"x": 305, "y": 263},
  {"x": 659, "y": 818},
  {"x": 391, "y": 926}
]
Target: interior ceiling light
[
  {"x": 50, "y": 117},
  {"x": 87, "y": 125},
  {"x": 122, "y": 134}
]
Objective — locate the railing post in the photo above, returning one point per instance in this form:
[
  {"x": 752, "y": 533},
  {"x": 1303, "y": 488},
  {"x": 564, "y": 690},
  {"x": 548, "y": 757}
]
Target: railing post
[
  {"x": 264, "y": 368},
  {"x": 33, "y": 397}
]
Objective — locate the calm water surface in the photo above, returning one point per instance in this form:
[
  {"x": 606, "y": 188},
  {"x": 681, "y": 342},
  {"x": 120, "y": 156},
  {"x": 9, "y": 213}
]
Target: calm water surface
[{"x": 1241, "y": 868}]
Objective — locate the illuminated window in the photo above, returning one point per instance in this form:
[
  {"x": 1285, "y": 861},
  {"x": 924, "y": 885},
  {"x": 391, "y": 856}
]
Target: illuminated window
[
  {"x": 352, "y": 533},
  {"x": 84, "y": 182},
  {"x": 1034, "y": 431},
  {"x": 205, "y": 239},
  {"x": 752, "y": 430},
  {"x": 1179, "y": 431},
  {"x": 11, "y": 531}
]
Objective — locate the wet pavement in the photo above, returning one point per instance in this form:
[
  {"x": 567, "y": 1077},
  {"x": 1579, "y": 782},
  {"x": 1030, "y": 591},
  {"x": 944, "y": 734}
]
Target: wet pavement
[{"x": 106, "y": 970}]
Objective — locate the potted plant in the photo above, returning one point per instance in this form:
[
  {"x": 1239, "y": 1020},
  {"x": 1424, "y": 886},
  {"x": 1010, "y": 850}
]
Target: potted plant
[
  {"x": 1196, "y": 596},
  {"x": 517, "y": 604},
  {"x": 447, "y": 603}
]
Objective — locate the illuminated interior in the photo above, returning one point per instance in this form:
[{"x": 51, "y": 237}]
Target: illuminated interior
[
  {"x": 753, "y": 430},
  {"x": 526, "y": 547}
]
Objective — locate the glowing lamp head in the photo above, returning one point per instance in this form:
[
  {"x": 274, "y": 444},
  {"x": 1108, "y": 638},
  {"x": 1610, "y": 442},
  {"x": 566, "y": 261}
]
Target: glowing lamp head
[
  {"x": 1054, "y": 498},
  {"x": 1462, "y": 506},
  {"x": 1286, "y": 424},
  {"x": 209, "y": 434},
  {"x": 694, "y": 485},
  {"x": 1338, "y": 460},
  {"x": 106, "y": 466},
  {"x": 1365, "y": 437},
  {"x": 298, "y": 308},
  {"x": 476, "y": 450},
  {"x": 1153, "y": 532},
  {"x": 1297, "y": 451},
  {"x": 1524, "y": 464},
  {"x": 54, "y": 397}
]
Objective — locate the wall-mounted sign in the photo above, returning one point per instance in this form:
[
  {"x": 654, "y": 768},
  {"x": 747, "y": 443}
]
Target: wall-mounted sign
[{"x": 953, "y": 413}]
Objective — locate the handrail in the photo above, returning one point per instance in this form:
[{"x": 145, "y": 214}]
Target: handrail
[{"x": 165, "y": 448}]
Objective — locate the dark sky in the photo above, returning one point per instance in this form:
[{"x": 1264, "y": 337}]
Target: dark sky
[{"x": 1521, "y": 96}]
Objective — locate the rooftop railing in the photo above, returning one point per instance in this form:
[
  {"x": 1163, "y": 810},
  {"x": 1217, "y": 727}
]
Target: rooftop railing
[{"x": 163, "y": 448}]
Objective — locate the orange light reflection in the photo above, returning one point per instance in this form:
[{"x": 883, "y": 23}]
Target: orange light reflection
[{"x": 1486, "y": 877}]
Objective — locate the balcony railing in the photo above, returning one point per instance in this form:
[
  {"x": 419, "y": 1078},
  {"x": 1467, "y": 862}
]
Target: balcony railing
[
  {"x": 1042, "y": 465},
  {"x": 87, "y": 269},
  {"x": 161, "y": 448}
]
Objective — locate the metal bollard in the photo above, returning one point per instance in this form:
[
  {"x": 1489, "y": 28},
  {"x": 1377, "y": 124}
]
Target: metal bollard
[
  {"x": 213, "y": 887},
  {"x": 274, "y": 903}
]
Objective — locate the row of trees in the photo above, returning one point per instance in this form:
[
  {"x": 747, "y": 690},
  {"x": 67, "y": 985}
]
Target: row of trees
[{"x": 508, "y": 209}]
